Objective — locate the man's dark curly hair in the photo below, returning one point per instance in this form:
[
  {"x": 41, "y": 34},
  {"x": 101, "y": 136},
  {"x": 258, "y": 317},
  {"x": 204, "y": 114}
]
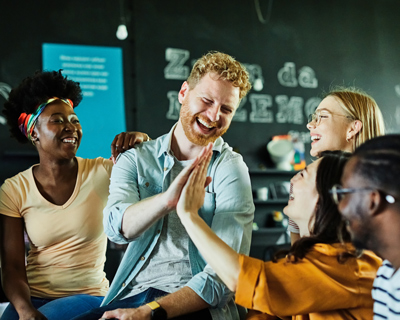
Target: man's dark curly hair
[{"x": 35, "y": 90}]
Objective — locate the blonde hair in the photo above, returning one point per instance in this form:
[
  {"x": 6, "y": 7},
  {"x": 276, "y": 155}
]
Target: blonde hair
[
  {"x": 360, "y": 106},
  {"x": 225, "y": 66}
]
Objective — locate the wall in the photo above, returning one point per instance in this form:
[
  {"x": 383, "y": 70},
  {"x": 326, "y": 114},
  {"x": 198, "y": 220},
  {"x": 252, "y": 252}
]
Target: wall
[{"x": 304, "y": 48}]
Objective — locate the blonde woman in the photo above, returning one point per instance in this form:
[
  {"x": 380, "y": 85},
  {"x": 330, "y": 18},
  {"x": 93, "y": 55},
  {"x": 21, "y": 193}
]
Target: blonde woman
[{"x": 344, "y": 119}]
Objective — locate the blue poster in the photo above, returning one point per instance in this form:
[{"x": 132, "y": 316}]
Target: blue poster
[{"x": 99, "y": 72}]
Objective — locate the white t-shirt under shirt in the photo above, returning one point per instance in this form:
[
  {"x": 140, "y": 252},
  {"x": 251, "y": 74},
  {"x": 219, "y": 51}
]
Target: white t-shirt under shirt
[
  {"x": 68, "y": 243},
  {"x": 168, "y": 267}
]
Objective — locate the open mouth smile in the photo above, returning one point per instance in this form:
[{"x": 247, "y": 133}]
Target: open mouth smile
[
  {"x": 291, "y": 195},
  {"x": 204, "y": 126},
  {"x": 315, "y": 138},
  {"x": 70, "y": 140}
]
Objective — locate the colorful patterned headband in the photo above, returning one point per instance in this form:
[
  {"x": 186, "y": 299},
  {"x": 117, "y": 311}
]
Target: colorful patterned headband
[{"x": 27, "y": 122}]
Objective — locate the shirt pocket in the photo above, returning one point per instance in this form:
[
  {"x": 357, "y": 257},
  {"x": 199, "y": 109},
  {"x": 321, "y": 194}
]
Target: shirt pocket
[
  {"x": 148, "y": 188},
  {"x": 208, "y": 209}
]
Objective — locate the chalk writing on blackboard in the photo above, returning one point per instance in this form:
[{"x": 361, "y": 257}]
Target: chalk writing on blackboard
[
  {"x": 241, "y": 113},
  {"x": 311, "y": 105},
  {"x": 289, "y": 110},
  {"x": 175, "y": 68},
  {"x": 255, "y": 76},
  {"x": 260, "y": 108},
  {"x": 307, "y": 78},
  {"x": 174, "y": 105},
  {"x": 287, "y": 76}
]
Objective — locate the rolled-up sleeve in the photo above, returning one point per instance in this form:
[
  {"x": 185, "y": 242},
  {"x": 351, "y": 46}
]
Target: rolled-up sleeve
[
  {"x": 316, "y": 283},
  {"x": 232, "y": 222},
  {"x": 123, "y": 193}
]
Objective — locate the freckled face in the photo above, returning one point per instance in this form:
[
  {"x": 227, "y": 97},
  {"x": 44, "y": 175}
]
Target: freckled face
[
  {"x": 207, "y": 109},
  {"x": 331, "y": 132}
]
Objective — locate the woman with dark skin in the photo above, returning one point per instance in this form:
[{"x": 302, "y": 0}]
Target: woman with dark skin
[{"x": 59, "y": 204}]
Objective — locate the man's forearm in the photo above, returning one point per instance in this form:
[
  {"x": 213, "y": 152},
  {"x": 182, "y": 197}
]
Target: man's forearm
[
  {"x": 182, "y": 302},
  {"x": 143, "y": 214}
]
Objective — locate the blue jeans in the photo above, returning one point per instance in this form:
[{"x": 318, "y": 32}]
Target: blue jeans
[
  {"x": 58, "y": 309},
  {"x": 136, "y": 301}
]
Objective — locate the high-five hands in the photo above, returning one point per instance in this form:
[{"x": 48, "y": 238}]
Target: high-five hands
[
  {"x": 174, "y": 191},
  {"x": 193, "y": 192}
]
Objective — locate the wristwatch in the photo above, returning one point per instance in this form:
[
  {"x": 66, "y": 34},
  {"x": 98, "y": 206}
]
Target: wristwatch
[{"x": 157, "y": 312}]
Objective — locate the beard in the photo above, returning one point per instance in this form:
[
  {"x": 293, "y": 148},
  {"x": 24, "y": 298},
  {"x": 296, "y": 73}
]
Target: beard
[
  {"x": 362, "y": 235},
  {"x": 365, "y": 239},
  {"x": 189, "y": 120},
  {"x": 359, "y": 244}
]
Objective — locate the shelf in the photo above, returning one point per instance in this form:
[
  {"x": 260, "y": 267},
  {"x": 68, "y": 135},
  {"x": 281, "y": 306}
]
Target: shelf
[
  {"x": 272, "y": 201},
  {"x": 269, "y": 231},
  {"x": 268, "y": 236}
]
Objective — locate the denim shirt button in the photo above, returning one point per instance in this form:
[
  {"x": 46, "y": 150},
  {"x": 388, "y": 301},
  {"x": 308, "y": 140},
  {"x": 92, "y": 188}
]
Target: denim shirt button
[
  {"x": 165, "y": 169},
  {"x": 123, "y": 284},
  {"x": 142, "y": 258}
]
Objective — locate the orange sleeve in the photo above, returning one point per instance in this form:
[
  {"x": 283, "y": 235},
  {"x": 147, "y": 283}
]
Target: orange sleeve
[
  {"x": 257, "y": 315},
  {"x": 316, "y": 283}
]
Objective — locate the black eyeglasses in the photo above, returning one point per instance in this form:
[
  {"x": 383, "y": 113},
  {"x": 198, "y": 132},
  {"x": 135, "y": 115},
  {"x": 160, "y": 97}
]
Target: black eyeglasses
[{"x": 338, "y": 192}]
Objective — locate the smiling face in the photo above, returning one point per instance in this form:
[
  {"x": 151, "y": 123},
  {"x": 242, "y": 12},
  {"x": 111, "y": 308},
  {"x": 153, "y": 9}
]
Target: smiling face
[
  {"x": 303, "y": 197},
  {"x": 353, "y": 208},
  {"x": 58, "y": 131},
  {"x": 332, "y": 131},
  {"x": 207, "y": 109}
]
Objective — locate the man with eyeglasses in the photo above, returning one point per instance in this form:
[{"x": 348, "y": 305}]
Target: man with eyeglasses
[{"x": 369, "y": 201}]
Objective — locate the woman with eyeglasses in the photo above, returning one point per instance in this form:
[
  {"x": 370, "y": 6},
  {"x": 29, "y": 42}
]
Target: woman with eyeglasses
[
  {"x": 345, "y": 118},
  {"x": 58, "y": 203},
  {"x": 321, "y": 277}
]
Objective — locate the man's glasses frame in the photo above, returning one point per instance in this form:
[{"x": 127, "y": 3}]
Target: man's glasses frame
[{"x": 337, "y": 192}]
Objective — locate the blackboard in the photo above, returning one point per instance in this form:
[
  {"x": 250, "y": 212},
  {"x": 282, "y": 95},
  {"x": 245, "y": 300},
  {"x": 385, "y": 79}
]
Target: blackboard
[{"x": 304, "y": 48}]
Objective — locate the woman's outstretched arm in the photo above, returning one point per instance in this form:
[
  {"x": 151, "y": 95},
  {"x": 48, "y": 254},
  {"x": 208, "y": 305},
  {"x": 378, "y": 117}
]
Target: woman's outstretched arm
[{"x": 222, "y": 258}]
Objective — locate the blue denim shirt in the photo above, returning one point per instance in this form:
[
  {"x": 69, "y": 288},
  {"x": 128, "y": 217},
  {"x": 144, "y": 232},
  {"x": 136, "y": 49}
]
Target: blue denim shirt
[{"x": 228, "y": 209}]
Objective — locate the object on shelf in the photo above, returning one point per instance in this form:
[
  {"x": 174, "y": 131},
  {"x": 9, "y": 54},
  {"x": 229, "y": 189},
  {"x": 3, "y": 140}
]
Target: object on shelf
[
  {"x": 276, "y": 219},
  {"x": 281, "y": 151},
  {"x": 262, "y": 193},
  {"x": 280, "y": 190},
  {"x": 299, "y": 161},
  {"x": 255, "y": 226}
]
